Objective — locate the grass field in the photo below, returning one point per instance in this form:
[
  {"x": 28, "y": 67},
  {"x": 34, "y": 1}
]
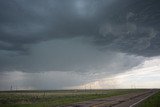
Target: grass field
[
  {"x": 153, "y": 101},
  {"x": 54, "y": 98}
]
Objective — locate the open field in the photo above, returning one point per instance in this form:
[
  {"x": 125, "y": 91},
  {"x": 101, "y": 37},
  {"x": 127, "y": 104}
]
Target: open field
[
  {"x": 56, "y": 97},
  {"x": 153, "y": 101}
]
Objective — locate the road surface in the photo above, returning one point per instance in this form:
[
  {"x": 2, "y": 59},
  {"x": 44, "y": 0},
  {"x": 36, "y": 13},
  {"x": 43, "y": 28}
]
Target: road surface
[{"x": 127, "y": 100}]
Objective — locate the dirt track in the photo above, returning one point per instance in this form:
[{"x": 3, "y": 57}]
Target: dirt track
[{"x": 128, "y": 100}]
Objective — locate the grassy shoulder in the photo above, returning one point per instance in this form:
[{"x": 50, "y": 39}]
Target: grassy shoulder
[
  {"x": 153, "y": 101},
  {"x": 55, "y": 98}
]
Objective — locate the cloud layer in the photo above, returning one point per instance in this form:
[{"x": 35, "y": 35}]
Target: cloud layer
[
  {"x": 41, "y": 35},
  {"x": 126, "y": 25},
  {"x": 55, "y": 44}
]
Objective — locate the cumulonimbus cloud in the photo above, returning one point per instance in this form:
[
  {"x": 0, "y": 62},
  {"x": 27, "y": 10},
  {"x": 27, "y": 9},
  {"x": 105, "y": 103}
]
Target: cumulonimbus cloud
[{"x": 126, "y": 26}]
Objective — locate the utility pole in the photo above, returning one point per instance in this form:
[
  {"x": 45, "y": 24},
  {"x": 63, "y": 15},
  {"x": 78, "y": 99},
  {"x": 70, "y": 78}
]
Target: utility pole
[{"x": 11, "y": 88}]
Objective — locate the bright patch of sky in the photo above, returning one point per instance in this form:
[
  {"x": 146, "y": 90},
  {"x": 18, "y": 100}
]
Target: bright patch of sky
[{"x": 145, "y": 75}]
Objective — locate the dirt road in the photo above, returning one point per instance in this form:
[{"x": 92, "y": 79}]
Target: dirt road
[{"x": 128, "y": 100}]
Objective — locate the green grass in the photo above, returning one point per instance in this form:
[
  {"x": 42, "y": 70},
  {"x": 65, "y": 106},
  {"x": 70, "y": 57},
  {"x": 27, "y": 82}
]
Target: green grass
[
  {"x": 54, "y": 98},
  {"x": 153, "y": 101}
]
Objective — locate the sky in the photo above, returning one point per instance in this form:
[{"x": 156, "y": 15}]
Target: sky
[{"x": 67, "y": 44}]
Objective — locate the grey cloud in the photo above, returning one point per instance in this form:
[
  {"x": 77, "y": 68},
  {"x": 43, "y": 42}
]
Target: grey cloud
[
  {"x": 133, "y": 30},
  {"x": 29, "y": 22},
  {"x": 68, "y": 55},
  {"x": 128, "y": 38},
  {"x": 84, "y": 39},
  {"x": 125, "y": 26}
]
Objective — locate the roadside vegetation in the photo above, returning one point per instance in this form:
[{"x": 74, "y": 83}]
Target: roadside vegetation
[
  {"x": 54, "y": 98},
  {"x": 153, "y": 101}
]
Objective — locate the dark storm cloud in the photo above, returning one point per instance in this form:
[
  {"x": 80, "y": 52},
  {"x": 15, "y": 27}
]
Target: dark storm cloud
[
  {"x": 134, "y": 29},
  {"x": 128, "y": 26},
  {"x": 86, "y": 39},
  {"x": 125, "y": 26},
  {"x": 28, "y": 22}
]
